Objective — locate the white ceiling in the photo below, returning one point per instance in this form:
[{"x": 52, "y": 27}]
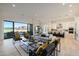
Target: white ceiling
[{"x": 38, "y": 11}]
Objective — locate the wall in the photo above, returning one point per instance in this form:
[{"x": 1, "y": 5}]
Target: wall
[
  {"x": 77, "y": 27},
  {"x": 66, "y": 22},
  {"x": 1, "y": 29}
]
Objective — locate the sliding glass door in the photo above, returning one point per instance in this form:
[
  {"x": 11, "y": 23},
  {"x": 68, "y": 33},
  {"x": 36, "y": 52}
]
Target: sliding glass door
[
  {"x": 23, "y": 27},
  {"x": 8, "y": 29},
  {"x": 20, "y": 28}
]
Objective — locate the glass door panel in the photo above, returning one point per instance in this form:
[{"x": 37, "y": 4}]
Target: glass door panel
[{"x": 8, "y": 29}]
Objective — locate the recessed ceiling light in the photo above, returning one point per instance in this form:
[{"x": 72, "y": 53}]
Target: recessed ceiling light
[
  {"x": 70, "y": 5},
  {"x": 13, "y": 5}
]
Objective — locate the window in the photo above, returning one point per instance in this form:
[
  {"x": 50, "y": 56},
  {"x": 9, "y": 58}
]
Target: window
[
  {"x": 20, "y": 27},
  {"x": 45, "y": 29},
  {"x": 23, "y": 27},
  {"x": 8, "y": 29},
  {"x": 30, "y": 28},
  {"x": 38, "y": 29}
]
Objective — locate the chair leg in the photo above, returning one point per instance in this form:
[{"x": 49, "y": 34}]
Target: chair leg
[
  {"x": 56, "y": 52},
  {"x": 59, "y": 46},
  {"x": 58, "y": 49}
]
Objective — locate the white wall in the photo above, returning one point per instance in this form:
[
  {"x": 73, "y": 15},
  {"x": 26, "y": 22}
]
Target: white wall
[
  {"x": 65, "y": 25},
  {"x": 1, "y": 29},
  {"x": 77, "y": 27}
]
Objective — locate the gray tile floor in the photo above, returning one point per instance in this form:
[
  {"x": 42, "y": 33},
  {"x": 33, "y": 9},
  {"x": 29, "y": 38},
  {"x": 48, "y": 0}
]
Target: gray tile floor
[{"x": 7, "y": 48}]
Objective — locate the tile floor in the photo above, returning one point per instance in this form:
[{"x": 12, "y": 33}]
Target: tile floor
[
  {"x": 7, "y": 48},
  {"x": 69, "y": 46}
]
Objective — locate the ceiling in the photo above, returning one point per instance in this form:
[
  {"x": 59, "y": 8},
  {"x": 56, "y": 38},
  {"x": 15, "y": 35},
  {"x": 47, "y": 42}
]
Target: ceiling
[{"x": 44, "y": 12}]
